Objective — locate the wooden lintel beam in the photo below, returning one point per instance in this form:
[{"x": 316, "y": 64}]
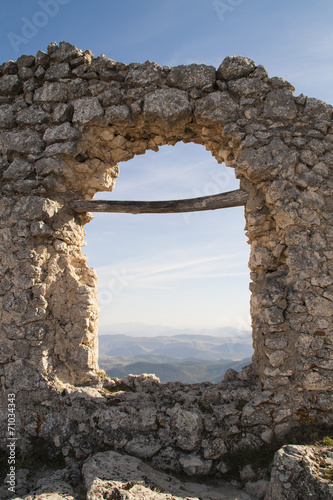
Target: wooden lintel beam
[{"x": 235, "y": 198}]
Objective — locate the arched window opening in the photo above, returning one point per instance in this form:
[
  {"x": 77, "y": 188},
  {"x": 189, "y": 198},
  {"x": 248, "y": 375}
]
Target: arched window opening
[{"x": 173, "y": 288}]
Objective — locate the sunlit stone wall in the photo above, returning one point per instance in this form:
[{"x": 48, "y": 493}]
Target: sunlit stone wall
[{"x": 66, "y": 120}]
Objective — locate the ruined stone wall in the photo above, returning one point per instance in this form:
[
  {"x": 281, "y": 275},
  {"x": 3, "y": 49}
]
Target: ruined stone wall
[{"x": 66, "y": 119}]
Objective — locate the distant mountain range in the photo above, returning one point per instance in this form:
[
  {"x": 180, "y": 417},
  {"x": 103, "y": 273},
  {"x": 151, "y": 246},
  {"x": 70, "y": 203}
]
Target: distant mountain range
[
  {"x": 188, "y": 358},
  {"x": 178, "y": 347},
  {"x": 145, "y": 330}
]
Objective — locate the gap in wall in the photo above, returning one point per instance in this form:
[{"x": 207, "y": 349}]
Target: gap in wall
[{"x": 172, "y": 275}]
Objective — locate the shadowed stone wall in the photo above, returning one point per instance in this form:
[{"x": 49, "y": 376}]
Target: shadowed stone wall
[{"x": 66, "y": 119}]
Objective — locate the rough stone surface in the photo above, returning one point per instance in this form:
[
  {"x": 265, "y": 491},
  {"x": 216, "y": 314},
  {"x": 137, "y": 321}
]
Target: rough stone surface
[
  {"x": 234, "y": 67},
  {"x": 87, "y": 109},
  {"x": 218, "y": 108},
  {"x": 51, "y": 92},
  {"x": 192, "y": 76},
  {"x": 299, "y": 473},
  {"x": 10, "y": 85},
  {"x": 109, "y": 470},
  {"x": 26, "y": 141},
  {"x": 7, "y": 116},
  {"x": 257, "y": 489},
  {"x": 171, "y": 106},
  {"x": 64, "y": 125}
]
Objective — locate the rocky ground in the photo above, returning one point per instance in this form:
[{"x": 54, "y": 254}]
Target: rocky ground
[
  {"x": 110, "y": 475},
  {"x": 302, "y": 472},
  {"x": 299, "y": 473}
]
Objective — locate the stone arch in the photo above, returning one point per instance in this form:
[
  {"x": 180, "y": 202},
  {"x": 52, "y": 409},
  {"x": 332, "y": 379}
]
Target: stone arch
[{"x": 68, "y": 118}]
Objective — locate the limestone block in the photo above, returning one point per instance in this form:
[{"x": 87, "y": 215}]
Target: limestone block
[
  {"x": 125, "y": 491},
  {"x": 25, "y": 141},
  {"x": 325, "y": 364},
  {"x": 281, "y": 190},
  {"x": 19, "y": 169},
  {"x": 143, "y": 447},
  {"x": 64, "y": 148},
  {"x": 39, "y": 228},
  {"x": 264, "y": 163},
  {"x": 26, "y": 74},
  {"x": 143, "y": 75},
  {"x": 310, "y": 216},
  {"x": 87, "y": 109},
  {"x": 64, "y": 52},
  {"x": 86, "y": 58},
  {"x": 105, "y": 471},
  {"x": 328, "y": 158},
  {"x": 62, "y": 112},
  {"x": 234, "y": 67},
  {"x": 320, "y": 110},
  {"x": 316, "y": 381},
  {"x": 278, "y": 83},
  {"x": 295, "y": 475},
  {"x": 309, "y": 158},
  {"x": 10, "y": 85},
  {"x": 247, "y": 473},
  {"x": 117, "y": 114},
  {"x": 277, "y": 358},
  {"x": 168, "y": 105},
  {"x": 7, "y": 116},
  {"x": 218, "y": 108},
  {"x": 267, "y": 436},
  {"x": 193, "y": 75},
  {"x": 247, "y": 87},
  {"x": 319, "y": 306},
  {"x": 42, "y": 59},
  {"x": 76, "y": 89},
  {"x": 260, "y": 257},
  {"x": 273, "y": 316},
  {"x": 46, "y": 166},
  {"x": 51, "y": 92},
  {"x": 280, "y": 104},
  {"x": 33, "y": 115},
  {"x": 60, "y": 133},
  {"x": 189, "y": 428},
  {"x": 25, "y": 62},
  {"x": 57, "y": 71},
  {"x": 28, "y": 88},
  {"x": 103, "y": 63}
]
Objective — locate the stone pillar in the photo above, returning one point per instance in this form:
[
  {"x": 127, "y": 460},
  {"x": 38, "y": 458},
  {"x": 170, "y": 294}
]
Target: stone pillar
[{"x": 49, "y": 295}]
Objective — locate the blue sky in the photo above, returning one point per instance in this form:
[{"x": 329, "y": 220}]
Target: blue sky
[{"x": 179, "y": 270}]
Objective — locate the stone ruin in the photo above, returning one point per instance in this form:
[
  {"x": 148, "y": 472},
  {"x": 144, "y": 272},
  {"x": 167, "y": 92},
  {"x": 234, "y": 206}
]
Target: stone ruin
[{"x": 66, "y": 120}]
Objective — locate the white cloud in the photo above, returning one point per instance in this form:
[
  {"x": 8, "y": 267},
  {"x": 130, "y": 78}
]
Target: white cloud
[{"x": 169, "y": 269}]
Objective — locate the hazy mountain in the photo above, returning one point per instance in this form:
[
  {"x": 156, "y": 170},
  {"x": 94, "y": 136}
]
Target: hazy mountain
[
  {"x": 186, "y": 355},
  {"x": 186, "y": 372},
  {"x": 144, "y": 330},
  {"x": 178, "y": 347}
]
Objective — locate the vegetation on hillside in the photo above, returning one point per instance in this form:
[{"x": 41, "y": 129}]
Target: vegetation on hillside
[{"x": 186, "y": 371}]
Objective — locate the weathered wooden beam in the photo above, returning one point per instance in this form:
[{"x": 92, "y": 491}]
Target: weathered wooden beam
[{"x": 235, "y": 198}]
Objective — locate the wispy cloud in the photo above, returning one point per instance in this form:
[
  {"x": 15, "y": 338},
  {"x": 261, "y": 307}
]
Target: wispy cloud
[{"x": 168, "y": 270}]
